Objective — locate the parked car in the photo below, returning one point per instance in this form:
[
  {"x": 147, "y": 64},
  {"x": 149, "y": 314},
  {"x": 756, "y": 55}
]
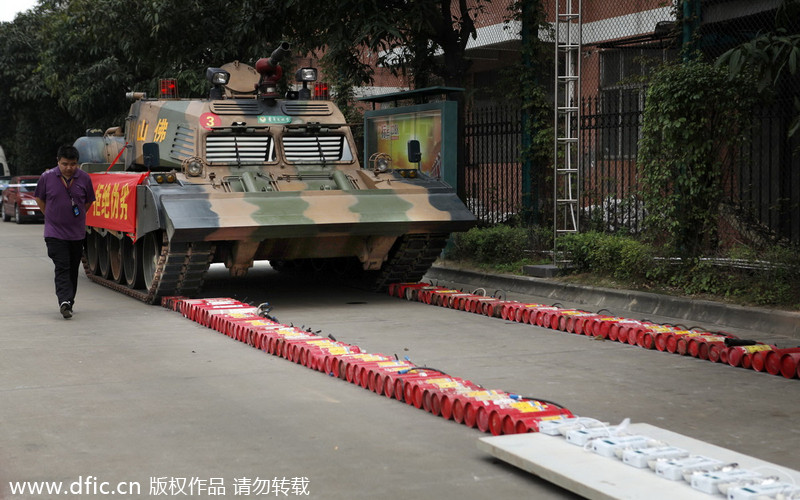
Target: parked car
[{"x": 19, "y": 202}]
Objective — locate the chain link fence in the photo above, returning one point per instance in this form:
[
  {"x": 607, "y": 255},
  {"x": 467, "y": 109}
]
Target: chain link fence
[{"x": 623, "y": 43}]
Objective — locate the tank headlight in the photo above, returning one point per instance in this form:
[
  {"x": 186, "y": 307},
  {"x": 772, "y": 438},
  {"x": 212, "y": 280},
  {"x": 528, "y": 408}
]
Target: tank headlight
[
  {"x": 217, "y": 76},
  {"x": 170, "y": 178},
  {"x": 306, "y": 75},
  {"x": 380, "y": 162},
  {"x": 194, "y": 168},
  {"x": 160, "y": 179}
]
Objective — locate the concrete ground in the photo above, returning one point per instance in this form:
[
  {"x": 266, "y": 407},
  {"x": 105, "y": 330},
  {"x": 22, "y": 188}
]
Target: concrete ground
[{"x": 130, "y": 393}]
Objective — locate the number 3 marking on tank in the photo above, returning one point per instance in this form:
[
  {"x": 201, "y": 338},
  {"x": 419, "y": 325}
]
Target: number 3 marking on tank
[{"x": 209, "y": 120}]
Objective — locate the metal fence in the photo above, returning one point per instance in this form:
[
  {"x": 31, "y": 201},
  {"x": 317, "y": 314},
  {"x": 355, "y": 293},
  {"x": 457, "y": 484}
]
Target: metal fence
[
  {"x": 493, "y": 172},
  {"x": 764, "y": 186},
  {"x": 762, "y": 190},
  {"x": 610, "y": 128},
  {"x": 625, "y": 40}
]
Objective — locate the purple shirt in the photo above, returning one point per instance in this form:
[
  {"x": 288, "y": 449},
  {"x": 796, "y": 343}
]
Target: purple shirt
[{"x": 59, "y": 221}]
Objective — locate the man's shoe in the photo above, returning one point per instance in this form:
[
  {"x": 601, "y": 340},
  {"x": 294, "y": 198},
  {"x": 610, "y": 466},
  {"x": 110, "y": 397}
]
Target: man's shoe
[{"x": 66, "y": 310}]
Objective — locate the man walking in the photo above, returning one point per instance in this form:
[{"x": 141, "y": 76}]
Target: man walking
[{"x": 64, "y": 194}]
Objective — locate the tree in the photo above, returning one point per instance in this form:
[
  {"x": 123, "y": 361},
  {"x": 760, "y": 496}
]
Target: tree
[
  {"x": 445, "y": 25},
  {"x": 71, "y": 63},
  {"x": 402, "y": 35},
  {"x": 772, "y": 55},
  {"x": 31, "y": 115}
]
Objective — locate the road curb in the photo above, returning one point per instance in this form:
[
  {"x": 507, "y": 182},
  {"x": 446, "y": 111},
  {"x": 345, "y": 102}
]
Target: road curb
[{"x": 696, "y": 312}]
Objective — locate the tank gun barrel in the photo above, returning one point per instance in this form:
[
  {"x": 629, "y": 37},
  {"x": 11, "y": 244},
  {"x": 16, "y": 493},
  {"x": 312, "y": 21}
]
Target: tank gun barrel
[
  {"x": 279, "y": 53},
  {"x": 271, "y": 71}
]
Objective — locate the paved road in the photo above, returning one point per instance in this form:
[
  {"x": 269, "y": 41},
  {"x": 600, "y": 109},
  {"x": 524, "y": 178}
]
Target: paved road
[{"x": 126, "y": 392}]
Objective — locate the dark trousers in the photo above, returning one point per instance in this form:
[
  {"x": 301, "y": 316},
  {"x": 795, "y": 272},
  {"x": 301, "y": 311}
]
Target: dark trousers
[{"x": 66, "y": 257}]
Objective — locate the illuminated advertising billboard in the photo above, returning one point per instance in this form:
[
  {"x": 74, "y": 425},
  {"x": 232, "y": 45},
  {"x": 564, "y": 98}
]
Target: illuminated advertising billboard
[{"x": 433, "y": 125}]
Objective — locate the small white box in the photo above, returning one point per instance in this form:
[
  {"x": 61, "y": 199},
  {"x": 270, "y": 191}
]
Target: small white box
[
  {"x": 561, "y": 426},
  {"x": 759, "y": 491},
  {"x": 580, "y": 437},
  {"x": 643, "y": 457},
  {"x": 708, "y": 482},
  {"x": 674, "y": 469},
  {"x": 609, "y": 446}
]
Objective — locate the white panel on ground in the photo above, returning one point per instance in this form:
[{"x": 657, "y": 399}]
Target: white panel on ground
[{"x": 598, "y": 477}]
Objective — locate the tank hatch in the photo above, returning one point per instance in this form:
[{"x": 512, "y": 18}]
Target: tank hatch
[{"x": 244, "y": 79}]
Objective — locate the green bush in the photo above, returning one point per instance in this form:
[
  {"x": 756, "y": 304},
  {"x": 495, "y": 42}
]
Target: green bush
[
  {"x": 767, "y": 276},
  {"x": 540, "y": 238},
  {"x": 492, "y": 245},
  {"x": 762, "y": 277},
  {"x": 694, "y": 119},
  {"x": 617, "y": 256}
]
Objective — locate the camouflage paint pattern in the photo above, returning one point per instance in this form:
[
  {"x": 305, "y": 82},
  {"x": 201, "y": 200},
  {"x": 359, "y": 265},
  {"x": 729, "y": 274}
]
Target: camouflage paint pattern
[{"x": 256, "y": 199}]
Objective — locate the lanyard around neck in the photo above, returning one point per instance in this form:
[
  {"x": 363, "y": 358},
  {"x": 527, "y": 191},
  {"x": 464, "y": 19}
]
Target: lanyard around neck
[{"x": 67, "y": 185}]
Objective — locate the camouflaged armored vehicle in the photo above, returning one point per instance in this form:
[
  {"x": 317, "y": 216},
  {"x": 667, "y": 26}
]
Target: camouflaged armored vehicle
[{"x": 244, "y": 175}]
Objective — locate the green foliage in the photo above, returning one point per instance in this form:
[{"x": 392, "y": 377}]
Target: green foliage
[
  {"x": 67, "y": 65},
  {"x": 438, "y": 24},
  {"x": 527, "y": 81},
  {"x": 404, "y": 37},
  {"x": 774, "y": 277},
  {"x": 493, "y": 245},
  {"x": 616, "y": 256},
  {"x": 770, "y": 277},
  {"x": 693, "y": 119},
  {"x": 30, "y": 112},
  {"x": 540, "y": 238},
  {"x": 765, "y": 277},
  {"x": 771, "y": 55}
]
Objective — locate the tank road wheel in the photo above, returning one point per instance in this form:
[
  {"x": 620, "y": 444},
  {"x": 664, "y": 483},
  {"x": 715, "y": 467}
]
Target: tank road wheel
[
  {"x": 132, "y": 263},
  {"x": 151, "y": 253},
  {"x": 161, "y": 266},
  {"x": 91, "y": 252},
  {"x": 103, "y": 265},
  {"x": 114, "y": 249}
]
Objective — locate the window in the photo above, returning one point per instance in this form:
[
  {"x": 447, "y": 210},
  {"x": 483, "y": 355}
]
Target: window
[{"x": 622, "y": 95}]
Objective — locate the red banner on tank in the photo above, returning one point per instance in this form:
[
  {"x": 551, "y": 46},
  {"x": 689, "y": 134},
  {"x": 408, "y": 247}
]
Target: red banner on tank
[{"x": 115, "y": 207}]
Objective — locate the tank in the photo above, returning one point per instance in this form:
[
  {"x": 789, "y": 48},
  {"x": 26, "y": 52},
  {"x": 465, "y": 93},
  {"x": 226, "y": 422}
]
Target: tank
[{"x": 245, "y": 175}]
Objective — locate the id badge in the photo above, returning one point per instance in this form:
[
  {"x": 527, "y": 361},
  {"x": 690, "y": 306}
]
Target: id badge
[{"x": 75, "y": 210}]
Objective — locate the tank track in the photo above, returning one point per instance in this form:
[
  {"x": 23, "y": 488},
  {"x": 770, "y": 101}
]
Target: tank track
[
  {"x": 180, "y": 270},
  {"x": 410, "y": 259}
]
